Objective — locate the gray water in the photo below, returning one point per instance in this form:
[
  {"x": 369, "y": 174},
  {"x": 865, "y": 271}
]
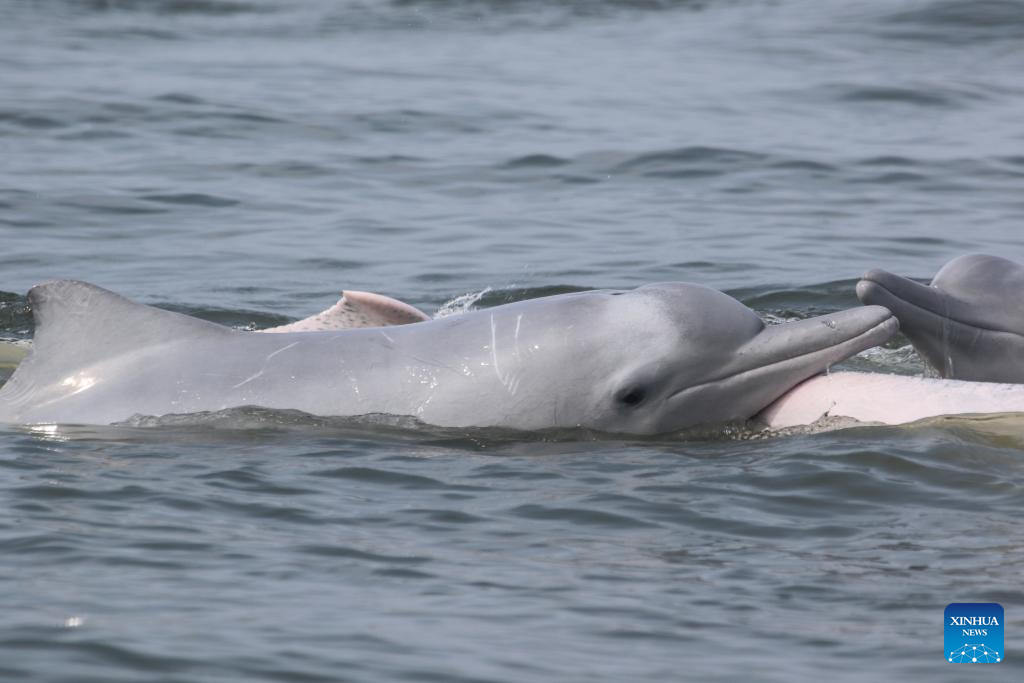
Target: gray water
[{"x": 245, "y": 160}]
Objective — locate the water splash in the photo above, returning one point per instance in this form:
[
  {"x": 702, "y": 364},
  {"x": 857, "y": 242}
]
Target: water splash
[{"x": 462, "y": 303}]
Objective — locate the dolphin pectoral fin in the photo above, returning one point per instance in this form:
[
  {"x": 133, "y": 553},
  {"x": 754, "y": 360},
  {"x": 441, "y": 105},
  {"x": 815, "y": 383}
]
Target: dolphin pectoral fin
[{"x": 357, "y": 309}]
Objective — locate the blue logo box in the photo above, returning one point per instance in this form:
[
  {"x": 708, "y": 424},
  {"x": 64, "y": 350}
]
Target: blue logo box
[{"x": 974, "y": 633}]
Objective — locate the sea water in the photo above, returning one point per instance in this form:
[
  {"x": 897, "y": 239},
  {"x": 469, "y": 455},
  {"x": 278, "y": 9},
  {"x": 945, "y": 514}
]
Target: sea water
[{"x": 246, "y": 160}]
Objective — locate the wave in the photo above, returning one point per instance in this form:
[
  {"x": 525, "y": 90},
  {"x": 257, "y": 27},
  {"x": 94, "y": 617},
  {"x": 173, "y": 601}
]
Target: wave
[
  {"x": 954, "y": 22},
  {"x": 695, "y": 164},
  {"x": 961, "y": 14},
  {"x": 204, "y": 7},
  {"x": 177, "y": 20},
  {"x": 925, "y": 95},
  {"x": 345, "y": 16},
  {"x": 946, "y": 22}
]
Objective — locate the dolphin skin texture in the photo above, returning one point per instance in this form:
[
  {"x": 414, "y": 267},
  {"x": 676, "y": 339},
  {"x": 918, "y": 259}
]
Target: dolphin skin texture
[
  {"x": 969, "y": 323},
  {"x": 655, "y": 359},
  {"x": 888, "y": 399}
]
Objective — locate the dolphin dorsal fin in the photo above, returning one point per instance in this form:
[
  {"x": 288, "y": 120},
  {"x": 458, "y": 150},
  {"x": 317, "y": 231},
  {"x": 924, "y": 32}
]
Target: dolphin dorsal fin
[
  {"x": 78, "y": 324},
  {"x": 357, "y": 309}
]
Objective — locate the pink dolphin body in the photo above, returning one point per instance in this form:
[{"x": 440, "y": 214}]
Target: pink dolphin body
[{"x": 873, "y": 397}]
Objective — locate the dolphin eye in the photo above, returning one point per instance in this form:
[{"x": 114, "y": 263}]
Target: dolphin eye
[{"x": 633, "y": 396}]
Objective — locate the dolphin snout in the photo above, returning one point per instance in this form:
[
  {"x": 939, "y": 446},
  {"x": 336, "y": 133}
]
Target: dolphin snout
[
  {"x": 882, "y": 288},
  {"x": 832, "y": 335},
  {"x": 869, "y": 284}
]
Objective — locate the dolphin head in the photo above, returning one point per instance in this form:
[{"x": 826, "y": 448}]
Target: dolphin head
[
  {"x": 969, "y": 323},
  {"x": 669, "y": 356}
]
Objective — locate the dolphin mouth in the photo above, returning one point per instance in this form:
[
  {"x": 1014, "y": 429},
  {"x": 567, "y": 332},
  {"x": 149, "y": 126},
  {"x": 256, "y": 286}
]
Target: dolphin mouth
[
  {"x": 919, "y": 307},
  {"x": 897, "y": 293},
  {"x": 782, "y": 356}
]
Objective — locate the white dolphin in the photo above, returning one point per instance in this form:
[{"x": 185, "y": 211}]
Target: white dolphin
[
  {"x": 865, "y": 397},
  {"x": 656, "y": 359}
]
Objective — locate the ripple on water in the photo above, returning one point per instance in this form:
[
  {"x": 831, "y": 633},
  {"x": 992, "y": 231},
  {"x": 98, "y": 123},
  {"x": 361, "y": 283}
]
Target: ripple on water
[
  {"x": 580, "y": 516},
  {"x": 954, "y": 22},
  {"x": 353, "y": 553},
  {"x": 190, "y": 199},
  {"x": 370, "y": 475}
]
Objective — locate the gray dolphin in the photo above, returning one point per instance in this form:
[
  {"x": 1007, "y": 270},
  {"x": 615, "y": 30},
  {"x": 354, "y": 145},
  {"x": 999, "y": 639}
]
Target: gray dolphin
[
  {"x": 655, "y": 359},
  {"x": 969, "y": 323}
]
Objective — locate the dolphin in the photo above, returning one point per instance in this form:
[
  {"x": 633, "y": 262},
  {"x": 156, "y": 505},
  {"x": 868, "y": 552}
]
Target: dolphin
[
  {"x": 969, "y": 323},
  {"x": 853, "y": 397},
  {"x": 659, "y": 358},
  {"x": 874, "y": 397}
]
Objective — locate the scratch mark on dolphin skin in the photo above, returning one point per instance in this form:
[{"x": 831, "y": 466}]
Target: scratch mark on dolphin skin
[
  {"x": 494, "y": 349},
  {"x": 283, "y": 348},
  {"x": 519, "y": 321},
  {"x": 510, "y": 382},
  {"x": 431, "y": 363},
  {"x": 246, "y": 381},
  {"x": 265, "y": 361}
]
